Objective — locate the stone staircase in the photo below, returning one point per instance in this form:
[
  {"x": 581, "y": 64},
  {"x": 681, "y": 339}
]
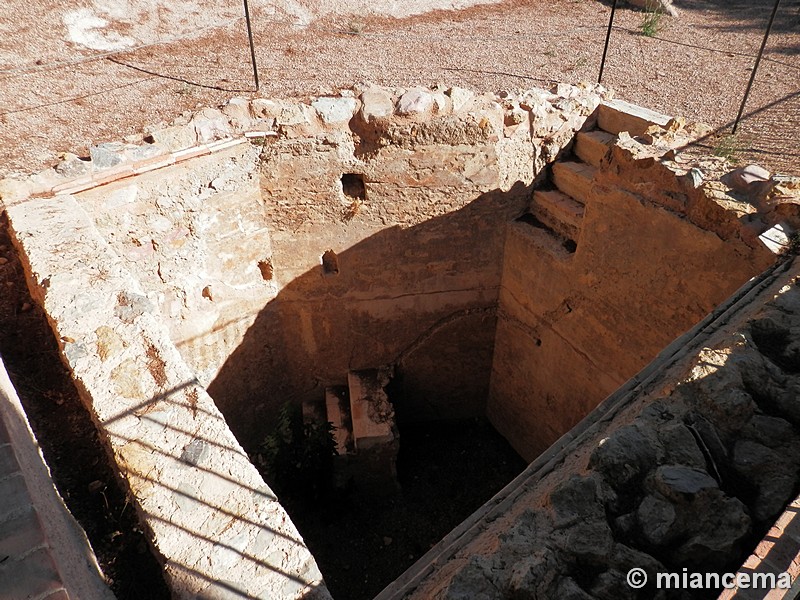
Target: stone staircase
[
  {"x": 558, "y": 206},
  {"x": 364, "y": 428}
]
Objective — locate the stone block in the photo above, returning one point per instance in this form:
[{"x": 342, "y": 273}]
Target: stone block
[
  {"x": 616, "y": 116},
  {"x": 415, "y": 101},
  {"x": 105, "y": 156},
  {"x": 13, "y": 495},
  {"x": 335, "y": 111},
  {"x": 20, "y": 533},
  {"x": 8, "y": 460},
  {"x": 238, "y": 111},
  {"x": 574, "y": 179},
  {"x": 177, "y": 137},
  {"x": 592, "y": 146},
  {"x": 376, "y": 103},
  {"x": 372, "y": 413}
]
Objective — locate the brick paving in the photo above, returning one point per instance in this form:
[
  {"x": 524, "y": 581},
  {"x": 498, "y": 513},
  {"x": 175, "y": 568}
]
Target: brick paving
[
  {"x": 43, "y": 553},
  {"x": 27, "y": 569}
]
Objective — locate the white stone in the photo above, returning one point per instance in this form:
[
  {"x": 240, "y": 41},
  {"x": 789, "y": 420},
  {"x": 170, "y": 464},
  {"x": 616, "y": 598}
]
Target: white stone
[
  {"x": 376, "y": 103},
  {"x": 335, "y": 110},
  {"x": 461, "y": 98},
  {"x": 415, "y": 101},
  {"x": 210, "y": 125},
  {"x": 238, "y": 110}
]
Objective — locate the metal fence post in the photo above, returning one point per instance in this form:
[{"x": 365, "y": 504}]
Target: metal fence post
[
  {"x": 608, "y": 37},
  {"x": 755, "y": 67},
  {"x": 252, "y": 48}
]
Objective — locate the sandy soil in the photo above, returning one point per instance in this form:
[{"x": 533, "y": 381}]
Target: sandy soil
[{"x": 58, "y": 94}]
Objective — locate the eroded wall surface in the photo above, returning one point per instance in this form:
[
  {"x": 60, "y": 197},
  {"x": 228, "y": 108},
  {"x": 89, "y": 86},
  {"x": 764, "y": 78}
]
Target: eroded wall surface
[
  {"x": 410, "y": 190},
  {"x": 656, "y": 252},
  {"x": 682, "y": 470}
]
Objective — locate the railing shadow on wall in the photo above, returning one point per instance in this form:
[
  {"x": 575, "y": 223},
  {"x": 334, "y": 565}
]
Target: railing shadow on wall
[
  {"x": 421, "y": 298},
  {"x": 166, "y": 401}
]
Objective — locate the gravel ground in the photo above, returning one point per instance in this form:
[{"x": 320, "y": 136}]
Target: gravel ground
[{"x": 697, "y": 66}]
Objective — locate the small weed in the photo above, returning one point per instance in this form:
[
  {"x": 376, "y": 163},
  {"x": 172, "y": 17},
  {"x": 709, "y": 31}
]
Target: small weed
[
  {"x": 581, "y": 62},
  {"x": 728, "y": 147},
  {"x": 354, "y": 27},
  {"x": 184, "y": 89},
  {"x": 651, "y": 24},
  {"x": 298, "y": 456},
  {"x": 550, "y": 53}
]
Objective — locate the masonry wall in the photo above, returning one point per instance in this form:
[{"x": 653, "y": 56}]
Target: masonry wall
[
  {"x": 195, "y": 236},
  {"x": 653, "y": 257},
  {"x": 418, "y": 251}
]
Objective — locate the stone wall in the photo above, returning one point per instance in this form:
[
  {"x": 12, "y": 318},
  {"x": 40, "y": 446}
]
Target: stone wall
[
  {"x": 684, "y": 467},
  {"x": 410, "y": 191},
  {"x": 655, "y": 252},
  {"x": 211, "y": 520}
]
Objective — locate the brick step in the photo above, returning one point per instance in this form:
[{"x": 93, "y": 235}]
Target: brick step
[
  {"x": 574, "y": 179},
  {"x": 543, "y": 237},
  {"x": 561, "y": 213},
  {"x": 616, "y": 116},
  {"x": 337, "y": 407},
  {"x": 592, "y": 146}
]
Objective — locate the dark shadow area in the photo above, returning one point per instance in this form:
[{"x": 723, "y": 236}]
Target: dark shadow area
[
  {"x": 421, "y": 300},
  {"x": 446, "y": 470},
  {"x": 753, "y": 13}
]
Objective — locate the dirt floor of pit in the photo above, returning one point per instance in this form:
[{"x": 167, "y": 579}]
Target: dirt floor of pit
[
  {"x": 63, "y": 427},
  {"x": 446, "y": 470}
]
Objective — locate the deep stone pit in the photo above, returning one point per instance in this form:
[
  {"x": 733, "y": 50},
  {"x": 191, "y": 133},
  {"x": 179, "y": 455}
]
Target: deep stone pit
[{"x": 381, "y": 229}]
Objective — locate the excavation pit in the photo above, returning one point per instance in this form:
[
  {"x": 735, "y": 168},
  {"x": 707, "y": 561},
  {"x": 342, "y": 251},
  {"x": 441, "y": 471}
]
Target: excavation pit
[{"x": 510, "y": 260}]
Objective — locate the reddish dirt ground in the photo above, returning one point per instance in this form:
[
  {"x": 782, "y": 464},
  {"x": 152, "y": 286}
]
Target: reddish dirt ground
[{"x": 696, "y": 65}]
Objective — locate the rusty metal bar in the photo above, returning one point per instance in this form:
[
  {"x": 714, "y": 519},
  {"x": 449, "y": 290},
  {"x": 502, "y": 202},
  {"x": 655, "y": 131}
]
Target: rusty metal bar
[
  {"x": 608, "y": 38},
  {"x": 755, "y": 67},
  {"x": 252, "y": 47}
]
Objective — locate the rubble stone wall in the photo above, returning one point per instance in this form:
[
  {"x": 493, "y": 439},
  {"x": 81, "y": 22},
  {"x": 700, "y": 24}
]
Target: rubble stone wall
[
  {"x": 654, "y": 256},
  {"x": 407, "y": 192}
]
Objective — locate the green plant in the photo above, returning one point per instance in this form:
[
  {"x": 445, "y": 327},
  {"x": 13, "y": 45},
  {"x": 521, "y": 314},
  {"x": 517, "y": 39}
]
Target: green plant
[
  {"x": 727, "y": 147},
  {"x": 298, "y": 456},
  {"x": 651, "y": 24},
  {"x": 794, "y": 244}
]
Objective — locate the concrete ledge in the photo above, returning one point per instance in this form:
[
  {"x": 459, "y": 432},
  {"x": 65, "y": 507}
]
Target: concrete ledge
[
  {"x": 211, "y": 519},
  {"x": 43, "y": 550}
]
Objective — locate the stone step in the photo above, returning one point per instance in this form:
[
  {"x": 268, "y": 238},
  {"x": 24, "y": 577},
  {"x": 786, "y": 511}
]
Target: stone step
[
  {"x": 337, "y": 406},
  {"x": 561, "y": 213},
  {"x": 372, "y": 413},
  {"x": 574, "y": 179},
  {"x": 543, "y": 237},
  {"x": 592, "y": 146},
  {"x": 616, "y": 116}
]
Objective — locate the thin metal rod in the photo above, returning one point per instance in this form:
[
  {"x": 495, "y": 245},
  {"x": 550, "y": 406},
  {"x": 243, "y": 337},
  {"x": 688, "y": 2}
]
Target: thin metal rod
[
  {"x": 608, "y": 37},
  {"x": 252, "y": 47},
  {"x": 755, "y": 67}
]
